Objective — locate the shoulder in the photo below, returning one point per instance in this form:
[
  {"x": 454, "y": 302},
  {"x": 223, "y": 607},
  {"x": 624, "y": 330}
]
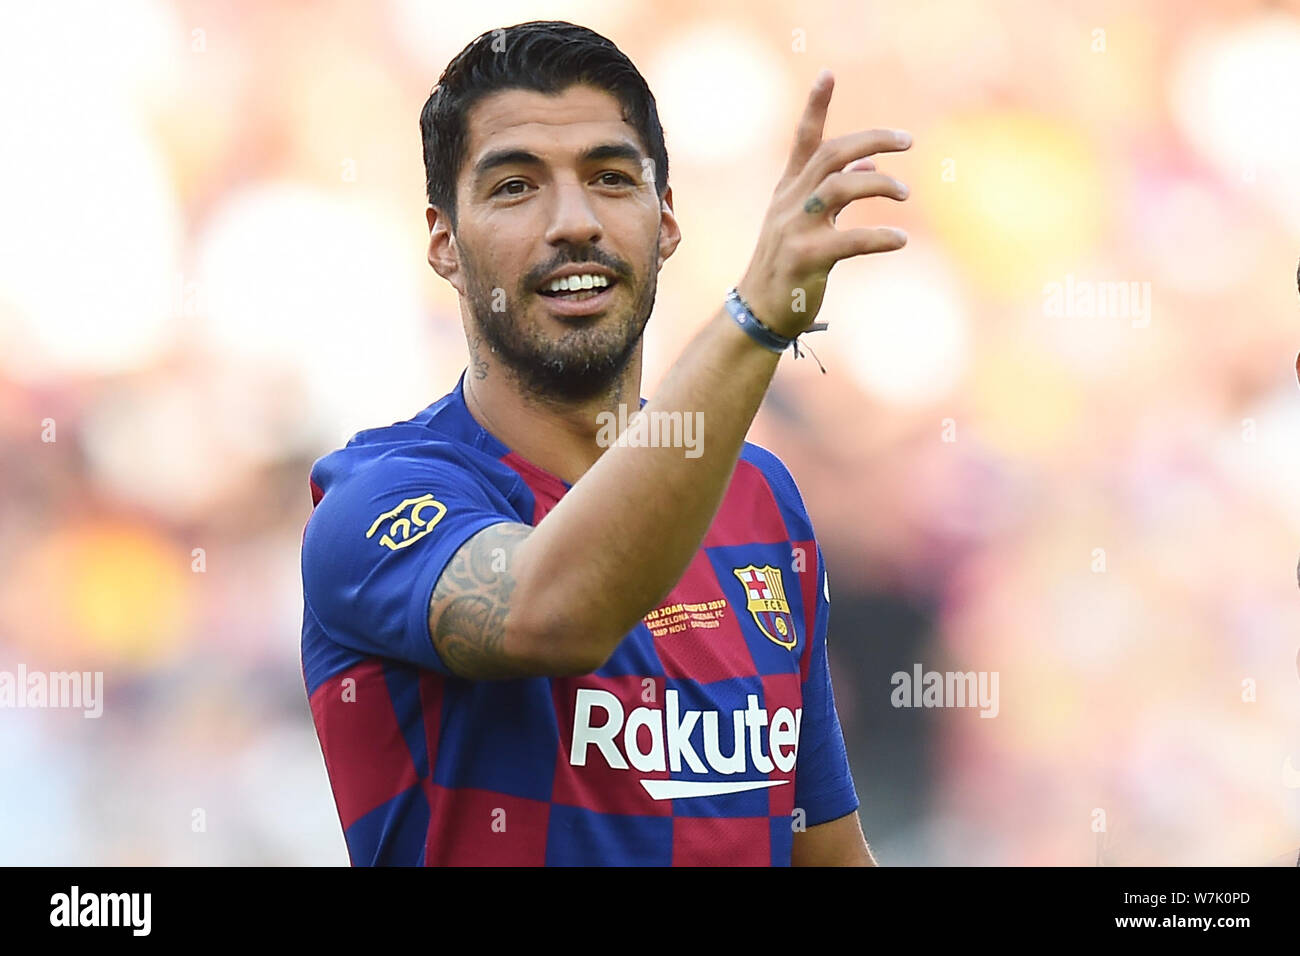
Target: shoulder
[
  {"x": 772, "y": 467},
  {"x": 782, "y": 486},
  {"x": 384, "y": 472},
  {"x": 441, "y": 442}
]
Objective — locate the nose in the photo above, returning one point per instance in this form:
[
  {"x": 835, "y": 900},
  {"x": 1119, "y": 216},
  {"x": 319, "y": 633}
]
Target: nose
[{"x": 572, "y": 218}]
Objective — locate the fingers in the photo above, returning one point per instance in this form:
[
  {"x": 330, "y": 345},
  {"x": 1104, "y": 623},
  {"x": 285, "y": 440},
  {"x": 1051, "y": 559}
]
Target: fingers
[
  {"x": 847, "y": 243},
  {"x": 839, "y": 189},
  {"x": 835, "y": 154},
  {"x": 812, "y": 124}
]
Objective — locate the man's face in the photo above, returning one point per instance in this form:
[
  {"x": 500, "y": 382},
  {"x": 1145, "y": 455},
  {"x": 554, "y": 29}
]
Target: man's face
[{"x": 559, "y": 185}]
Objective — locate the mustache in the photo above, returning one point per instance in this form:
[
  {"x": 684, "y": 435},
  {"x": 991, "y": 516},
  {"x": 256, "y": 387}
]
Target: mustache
[{"x": 588, "y": 254}]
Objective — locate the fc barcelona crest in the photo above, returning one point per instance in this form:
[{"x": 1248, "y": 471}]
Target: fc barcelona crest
[{"x": 765, "y": 599}]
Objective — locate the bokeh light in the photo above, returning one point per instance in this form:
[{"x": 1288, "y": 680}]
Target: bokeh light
[
  {"x": 902, "y": 327},
  {"x": 1024, "y": 199}
]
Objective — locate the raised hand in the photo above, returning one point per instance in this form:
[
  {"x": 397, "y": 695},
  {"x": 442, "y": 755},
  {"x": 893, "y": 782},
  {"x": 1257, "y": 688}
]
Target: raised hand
[{"x": 799, "y": 243}]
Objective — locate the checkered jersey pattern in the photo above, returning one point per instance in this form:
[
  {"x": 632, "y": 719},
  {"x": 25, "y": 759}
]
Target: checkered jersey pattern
[{"x": 707, "y": 738}]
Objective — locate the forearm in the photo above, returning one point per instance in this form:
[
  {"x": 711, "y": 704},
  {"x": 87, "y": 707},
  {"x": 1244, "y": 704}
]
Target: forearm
[{"x": 627, "y": 530}]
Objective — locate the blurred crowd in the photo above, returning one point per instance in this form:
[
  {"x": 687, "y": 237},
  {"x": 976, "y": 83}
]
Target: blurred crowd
[{"x": 212, "y": 272}]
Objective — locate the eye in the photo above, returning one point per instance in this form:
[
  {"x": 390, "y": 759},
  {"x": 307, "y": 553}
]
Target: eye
[
  {"x": 506, "y": 188},
  {"x": 620, "y": 178}
]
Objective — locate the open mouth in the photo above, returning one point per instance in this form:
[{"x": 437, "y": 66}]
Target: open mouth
[{"x": 577, "y": 288}]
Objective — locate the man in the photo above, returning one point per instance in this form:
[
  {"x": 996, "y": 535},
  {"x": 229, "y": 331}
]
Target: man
[{"x": 526, "y": 642}]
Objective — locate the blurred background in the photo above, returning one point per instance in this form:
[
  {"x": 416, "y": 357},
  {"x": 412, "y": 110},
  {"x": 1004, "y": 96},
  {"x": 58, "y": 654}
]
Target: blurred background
[{"x": 212, "y": 273}]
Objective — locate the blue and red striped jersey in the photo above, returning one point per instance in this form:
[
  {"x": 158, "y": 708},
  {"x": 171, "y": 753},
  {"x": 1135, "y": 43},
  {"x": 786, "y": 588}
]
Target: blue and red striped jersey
[{"x": 709, "y": 737}]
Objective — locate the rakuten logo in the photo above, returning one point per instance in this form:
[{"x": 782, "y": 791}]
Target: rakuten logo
[{"x": 670, "y": 742}]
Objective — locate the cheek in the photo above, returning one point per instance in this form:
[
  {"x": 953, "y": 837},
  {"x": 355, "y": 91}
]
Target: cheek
[
  {"x": 636, "y": 243},
  {"x": 497, "y": 257}
]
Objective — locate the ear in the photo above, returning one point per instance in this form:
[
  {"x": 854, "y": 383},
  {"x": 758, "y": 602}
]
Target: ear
[
  {"x": 443, "y": 255},
  {"x": 670, "y": 234}
]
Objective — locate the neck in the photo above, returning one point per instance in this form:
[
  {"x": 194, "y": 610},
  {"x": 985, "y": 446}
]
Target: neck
[{"x": 558, "y": 436}]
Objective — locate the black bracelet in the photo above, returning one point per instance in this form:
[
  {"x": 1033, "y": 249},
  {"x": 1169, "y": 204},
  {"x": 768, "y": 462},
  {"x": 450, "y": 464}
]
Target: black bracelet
[
  {"x": 756, "y": 330},
  {"x": 739, "y": 310}
]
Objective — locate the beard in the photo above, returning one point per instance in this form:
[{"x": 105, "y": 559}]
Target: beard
[{"x": 583, "y": 363}]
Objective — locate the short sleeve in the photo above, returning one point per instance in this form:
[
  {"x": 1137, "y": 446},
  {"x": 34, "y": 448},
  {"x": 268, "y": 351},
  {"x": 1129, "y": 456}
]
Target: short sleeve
[
  {"x": 377, "y": 543},
  {"x": 823, "y": 782}
]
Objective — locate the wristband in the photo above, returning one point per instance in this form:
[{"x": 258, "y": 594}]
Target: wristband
[{"x": 739, "y": 310}]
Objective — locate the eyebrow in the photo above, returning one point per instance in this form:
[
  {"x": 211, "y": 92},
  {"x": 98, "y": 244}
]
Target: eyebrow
[{"x": 522, "y": 157}]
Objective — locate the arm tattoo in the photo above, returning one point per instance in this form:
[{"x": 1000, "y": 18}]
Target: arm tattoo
[{"x": 467, "y": 613}]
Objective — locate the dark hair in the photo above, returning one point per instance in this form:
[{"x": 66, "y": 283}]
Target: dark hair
[{"x": 548, "y": 56}]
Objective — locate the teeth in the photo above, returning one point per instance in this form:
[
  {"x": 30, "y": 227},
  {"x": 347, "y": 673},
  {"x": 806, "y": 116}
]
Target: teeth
[{"x": 574, "y": 283}]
